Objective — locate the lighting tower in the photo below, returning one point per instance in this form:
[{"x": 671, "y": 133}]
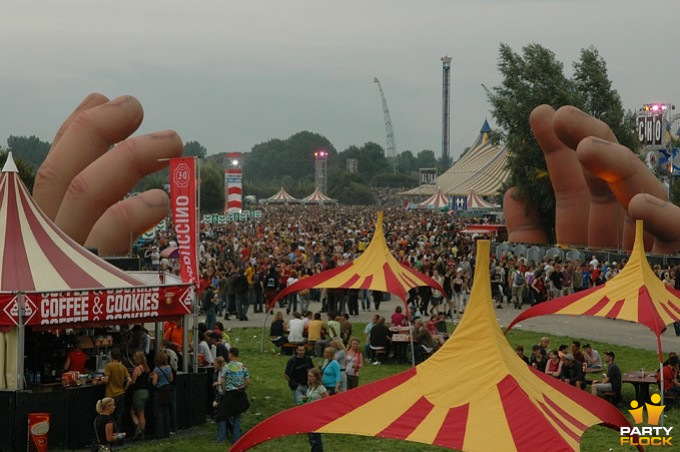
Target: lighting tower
[
  {"x": 320, "y": 160},
  {"x": 391, "y": 143},
  {"x": 233, "y": 183},
  {"x": 446, "y": 122}
]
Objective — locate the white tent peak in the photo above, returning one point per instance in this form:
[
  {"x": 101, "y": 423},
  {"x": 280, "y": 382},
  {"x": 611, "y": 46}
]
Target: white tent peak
[{"x": 10, "y": 166}]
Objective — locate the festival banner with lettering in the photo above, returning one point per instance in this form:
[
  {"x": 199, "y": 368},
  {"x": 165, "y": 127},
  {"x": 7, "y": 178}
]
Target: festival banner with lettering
[
  {"x": 105, "y": 306},
  {"x": 183, "y": 199}
]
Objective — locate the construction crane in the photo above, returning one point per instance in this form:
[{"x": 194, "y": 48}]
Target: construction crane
[{"x": 391, "y": 143}]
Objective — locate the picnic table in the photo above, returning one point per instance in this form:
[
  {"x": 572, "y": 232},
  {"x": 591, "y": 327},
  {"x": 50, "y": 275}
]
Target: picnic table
[{"x": 640, "y": 380}]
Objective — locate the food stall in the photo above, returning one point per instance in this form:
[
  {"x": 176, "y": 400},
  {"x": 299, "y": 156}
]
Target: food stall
[{"x": 50, "y": 284}]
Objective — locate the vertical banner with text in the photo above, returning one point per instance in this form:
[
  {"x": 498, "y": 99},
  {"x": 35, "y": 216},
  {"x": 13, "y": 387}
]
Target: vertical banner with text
[{"x": 183, "y": 200}]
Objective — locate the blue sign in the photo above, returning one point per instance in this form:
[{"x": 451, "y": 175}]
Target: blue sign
[{"x": 458, "y": 203}]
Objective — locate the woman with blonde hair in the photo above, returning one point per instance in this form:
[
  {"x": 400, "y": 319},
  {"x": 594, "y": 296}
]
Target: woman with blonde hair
[
  {"x": 140, "y": 392},
  {"x": 341, "y": 358},
  {"x": 105, "y": 428}
]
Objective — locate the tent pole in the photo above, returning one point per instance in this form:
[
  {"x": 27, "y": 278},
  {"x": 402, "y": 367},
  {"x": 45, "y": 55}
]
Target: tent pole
[
  {"x": 185, "y": 343},
  {"x": 21, "y": 337},
  {"x": 264, "y": 329},
  {"x": 158, "y": 328},
  {"x": 661, "y": 387},
  {"x": 197, "y": 251},
  {"x": 410, "y": 334}
]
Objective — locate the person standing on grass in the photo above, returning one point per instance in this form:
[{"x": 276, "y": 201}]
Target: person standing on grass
[
  {"x": 117, "y": 379},
  {"x": 140, "y": 393},
  {"x": 354, "y": 361},
  {"x": 330, "y": 371},
  {"x": 315, "y": 391},
  {"x": 235, "y": 381},
  {"x": 296, "y": 373}
]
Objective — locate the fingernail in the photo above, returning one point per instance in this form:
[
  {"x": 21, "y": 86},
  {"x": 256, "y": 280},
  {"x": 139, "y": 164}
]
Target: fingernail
[
  {"x": 600, "y": 140},
  {"x": 120, "y": 100},
  {"x": 163, "y": 134},
  {"x": 655, "y": 201}
]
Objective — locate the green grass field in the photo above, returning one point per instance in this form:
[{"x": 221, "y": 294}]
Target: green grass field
[{"x": 269, "y": 395}]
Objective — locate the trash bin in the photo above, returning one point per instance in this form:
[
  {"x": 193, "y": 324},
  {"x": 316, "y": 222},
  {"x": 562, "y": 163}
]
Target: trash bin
[{"x": 38, "y": 428}]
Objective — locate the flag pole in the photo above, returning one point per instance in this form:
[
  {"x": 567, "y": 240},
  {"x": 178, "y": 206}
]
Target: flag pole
[{"x": 197, "y": 171}]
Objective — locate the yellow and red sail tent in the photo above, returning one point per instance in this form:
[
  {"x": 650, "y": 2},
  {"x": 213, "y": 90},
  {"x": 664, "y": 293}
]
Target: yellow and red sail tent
[
  {"x": 474, "y": 394},
  {"x": 375, "y": 269},
  {"x": 636, "y": 294}
]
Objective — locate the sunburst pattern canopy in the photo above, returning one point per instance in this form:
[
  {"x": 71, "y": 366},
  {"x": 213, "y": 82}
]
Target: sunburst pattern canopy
[
  {"x": 317, "y": 197},
  {"x": 282, "y": 196},
  {"x": 475, "y": 202},
  {"x": 436, "y": 201},
  {"x": 474, "y": 394},
  {"x": 36, "y": 255},
  {"x": 636, "y": 294},
  {"x": 375, "y": 269}
]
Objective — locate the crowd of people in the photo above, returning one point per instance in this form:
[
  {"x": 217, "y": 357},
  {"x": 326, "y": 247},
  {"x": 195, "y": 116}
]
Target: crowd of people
[{"x": 290, "y": 243}]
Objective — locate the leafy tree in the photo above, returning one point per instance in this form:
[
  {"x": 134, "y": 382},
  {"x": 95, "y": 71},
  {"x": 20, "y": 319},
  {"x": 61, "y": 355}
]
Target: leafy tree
[
  {"x": 371, "y": 157},
  {"x": 25, "y": 170},
  {"x": 533, "y": 78},
  {"x": 399, "y": 180},
  {"x": 348, "y": 188},
  {"x": 407, "y": 162},
  {"x": 31, "y": 150},
  {"x": 426, "y": 159},
  {"x": 271, "y": 160},
  {"x": 194, "y": 149},
  {"x": 212, "y": 188},
  {"x": 598, "y": 98}
]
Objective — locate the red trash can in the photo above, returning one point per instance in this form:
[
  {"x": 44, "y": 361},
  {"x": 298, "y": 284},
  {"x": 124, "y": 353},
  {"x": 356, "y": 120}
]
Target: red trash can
[{"x": 38, "y": 428}]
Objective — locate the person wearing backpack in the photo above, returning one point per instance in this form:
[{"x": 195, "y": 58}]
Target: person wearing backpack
[{"x": 517, "y": 291}]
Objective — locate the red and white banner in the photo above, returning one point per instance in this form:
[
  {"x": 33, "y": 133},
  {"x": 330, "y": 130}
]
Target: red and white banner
[
  {"x": 183, "y": 199},
  {"x": 106, "y": 306}
]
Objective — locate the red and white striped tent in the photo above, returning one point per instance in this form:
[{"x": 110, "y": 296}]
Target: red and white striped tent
[
  {"x": 59, "y": 283},
  {"x": 474, "y": 202},
  {"x": 282, "y": 197},
  {"x": 317, "y": 197},
  {"x": 436, "y": 201}
]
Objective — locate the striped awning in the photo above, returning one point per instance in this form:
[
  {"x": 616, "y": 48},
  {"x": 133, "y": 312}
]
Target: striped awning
[
  {"x": 636, "y": 294},
  {"x": 35, "y": 255},
  {"x": 474, "y": 394},
  {"x": 375, "y": 269},
  {"x": 317, "y": 196},
  {"x": 483, "y": 169},
  {"x": 282, "y": 196},
  {"x": 436, "y": 201},
  {"x": 474, "y": 202}
]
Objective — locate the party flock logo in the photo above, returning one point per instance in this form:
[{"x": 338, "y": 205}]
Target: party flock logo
[{"x": 653, "y": 434}]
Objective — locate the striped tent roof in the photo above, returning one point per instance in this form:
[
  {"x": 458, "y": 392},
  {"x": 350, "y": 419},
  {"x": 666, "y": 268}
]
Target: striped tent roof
[
  {"x": 474, "y": 394},
  {"x": 474, "y": 202},
  {"x": 436, "y": 201},
  {"x": 317, "y": 196},
  {"x": 35, "y": 255},
  {"x": 636, "y": 294},
  {"x": 282, "y": 196},
  {"x": 483, "y": 168},
  {"x": 375, "y": 269}
]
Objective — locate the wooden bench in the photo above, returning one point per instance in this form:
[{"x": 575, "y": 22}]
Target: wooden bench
[{"x": 378, "y": 353}]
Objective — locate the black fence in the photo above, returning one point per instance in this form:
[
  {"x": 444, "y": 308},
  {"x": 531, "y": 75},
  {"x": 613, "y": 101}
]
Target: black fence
[{"x": 72, "y": 412}]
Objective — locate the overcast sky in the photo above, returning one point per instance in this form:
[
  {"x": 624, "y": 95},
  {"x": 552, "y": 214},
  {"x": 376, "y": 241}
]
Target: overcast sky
[{"x": 231, "y": 74}]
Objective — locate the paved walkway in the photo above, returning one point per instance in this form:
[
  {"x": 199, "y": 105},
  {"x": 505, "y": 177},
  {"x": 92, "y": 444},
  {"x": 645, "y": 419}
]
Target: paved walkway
[{"x": 587, "y": 328}]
